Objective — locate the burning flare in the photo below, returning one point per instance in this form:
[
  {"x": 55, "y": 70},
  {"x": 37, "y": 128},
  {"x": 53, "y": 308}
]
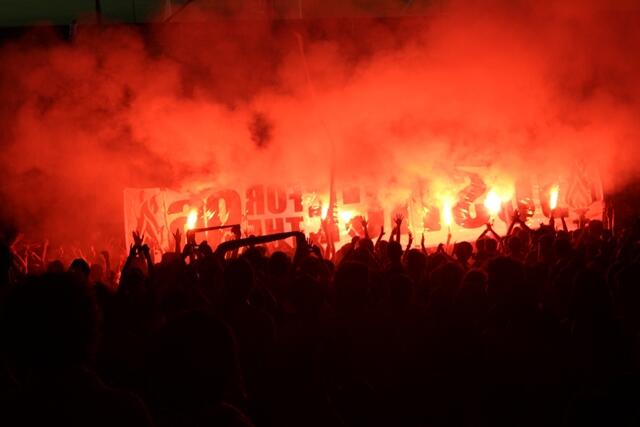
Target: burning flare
[
  {"x": 323, "y": 212},
  {"x": 553, "y": 197},
  {"x": 346, "y": 216},
  {"x": 447, "y": 216},
  {"x": 493, "y": 202},
  {"x": 192, "y": 219}
]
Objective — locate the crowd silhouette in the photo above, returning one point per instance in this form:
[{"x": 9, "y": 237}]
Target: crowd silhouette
[{"x": 540, "y": 327}]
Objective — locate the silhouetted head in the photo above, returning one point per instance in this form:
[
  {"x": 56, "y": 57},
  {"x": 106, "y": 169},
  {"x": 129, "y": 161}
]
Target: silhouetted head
[
  {"x": 364, "y": 255},
  {"x": 436, "y": 260},
  {"x": 366, "y": 244},
  {"x": 490, "y": 245},
  {"x": 314, "y": 267},
  {"x": 515, "y": 246},
  {"x": 279, "y": 264},
  {"x": 463, "y": 251},
  {"x": 254, "y": 255},
  {"x": 449, "y": 275},
  {"x": 81, "y": 267},
  {"x": 382, "y": 250}
]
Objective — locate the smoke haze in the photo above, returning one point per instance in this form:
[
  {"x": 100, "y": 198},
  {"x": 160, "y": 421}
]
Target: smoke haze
[{"x": 525, "y": 88}]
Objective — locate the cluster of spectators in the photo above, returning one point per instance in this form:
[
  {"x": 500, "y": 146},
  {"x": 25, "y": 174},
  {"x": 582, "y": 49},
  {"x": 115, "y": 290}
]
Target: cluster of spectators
[{"x": 540, "y": 327}]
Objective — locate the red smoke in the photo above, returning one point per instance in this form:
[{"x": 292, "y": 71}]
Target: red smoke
[{"x": 523, "y": 88}]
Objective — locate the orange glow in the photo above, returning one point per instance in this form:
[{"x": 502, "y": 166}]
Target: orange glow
[
  {"x": 192, "y": 219},
  {"x": 553, "y": 197},
  {"x": 447, "y": 216},
  {"x": 493, "y": 202},
  {"x": 323, "y": 212},
  {"x": 346, "y": 216}
]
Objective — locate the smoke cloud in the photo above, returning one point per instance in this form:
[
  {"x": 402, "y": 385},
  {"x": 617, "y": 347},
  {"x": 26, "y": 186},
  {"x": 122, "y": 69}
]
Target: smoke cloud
[{"x": 522, "y": 88}]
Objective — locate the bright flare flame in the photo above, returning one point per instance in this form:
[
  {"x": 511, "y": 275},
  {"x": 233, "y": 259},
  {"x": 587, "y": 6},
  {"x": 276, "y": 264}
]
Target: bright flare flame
[
  {"x": 346, "y": 216},
  {"x": 192, "y": 219},
  {"x": 323, "y": 212},
  {"x": 446, "y": 211},
  {"x": 493, "y": 202},
  {"x": 553, "y": 197}
]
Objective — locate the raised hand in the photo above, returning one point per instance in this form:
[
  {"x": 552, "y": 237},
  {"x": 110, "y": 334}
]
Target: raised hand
[
  {"x": 365, "y": 223},
  {"x": 145, "y": 250},
  {"x": 188, "y": 250},
  {"x": 393, "y": 233},
  {"x": 205, "y": 249},
  {"x": 380, "y": 235},
  {"x": 177, "y": 238},
  {"x": 410, "y": 241},
  {"x": 137, "y": 238},
  {"x": 398, "y": 220}
]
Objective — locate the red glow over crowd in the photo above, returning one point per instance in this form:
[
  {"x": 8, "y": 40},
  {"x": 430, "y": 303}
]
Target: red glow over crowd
[{"x": 425, "y": 221}]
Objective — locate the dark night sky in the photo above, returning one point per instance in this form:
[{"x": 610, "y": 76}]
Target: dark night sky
[{"x": 30, "y": 12}]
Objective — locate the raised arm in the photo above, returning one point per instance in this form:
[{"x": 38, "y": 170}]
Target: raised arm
[
  {"x": 177, "y": 238},
  {"x": 514, "y": 219},
  {"x": 398, "y": 221},
  {"x": 409, "y": 242},
  {"x": 422, "y": 247},
  {"x": 380, "y": 235},
  {"x": 364, "y": 226}
]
